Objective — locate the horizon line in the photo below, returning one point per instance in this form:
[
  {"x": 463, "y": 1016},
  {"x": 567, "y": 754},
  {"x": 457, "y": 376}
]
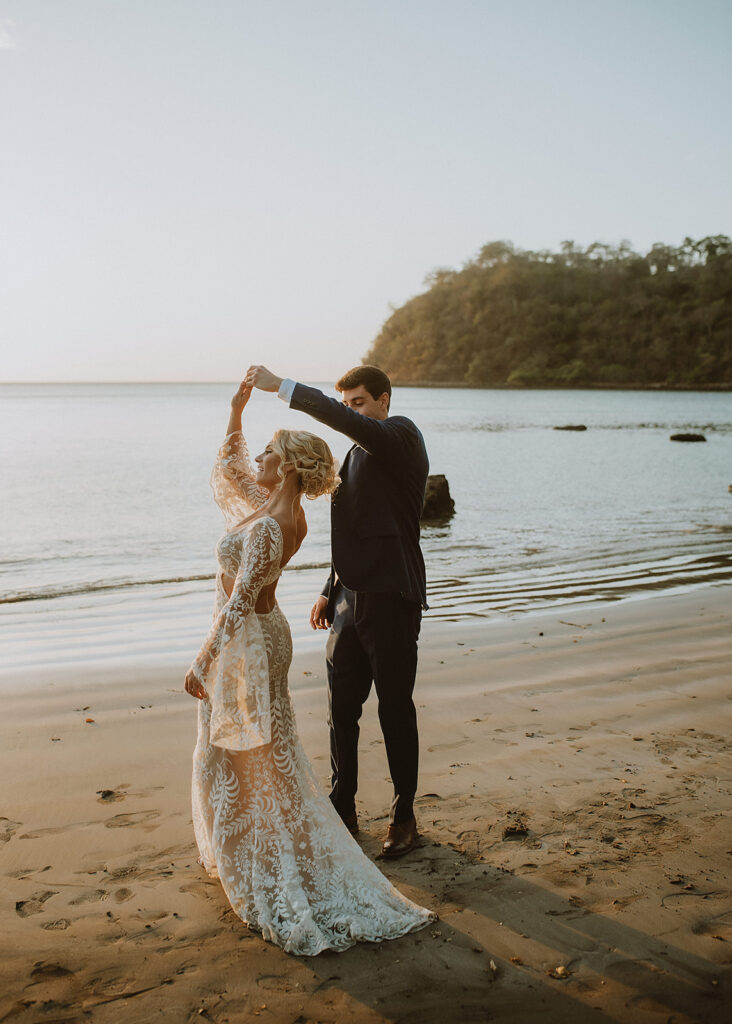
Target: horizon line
[{"x": 228, "y": 380}]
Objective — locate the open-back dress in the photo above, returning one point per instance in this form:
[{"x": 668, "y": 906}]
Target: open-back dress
[{"x": 263, "y": 825}]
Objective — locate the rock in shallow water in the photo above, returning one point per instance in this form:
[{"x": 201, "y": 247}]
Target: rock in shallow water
[{"x": 437, "y": 501}]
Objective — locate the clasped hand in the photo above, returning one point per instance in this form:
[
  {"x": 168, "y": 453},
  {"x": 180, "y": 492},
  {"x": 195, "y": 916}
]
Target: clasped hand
[{"x": 261, "y": 378}]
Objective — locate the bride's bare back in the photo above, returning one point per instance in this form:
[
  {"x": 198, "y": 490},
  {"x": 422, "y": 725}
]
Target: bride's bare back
[{"x": 294, "y": 532}]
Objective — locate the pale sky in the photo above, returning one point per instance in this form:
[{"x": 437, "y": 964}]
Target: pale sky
[{"x": 188, "y": 186}]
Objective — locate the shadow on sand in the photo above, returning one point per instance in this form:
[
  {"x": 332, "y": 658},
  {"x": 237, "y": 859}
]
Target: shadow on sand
[{"x": 489, "y": 955}]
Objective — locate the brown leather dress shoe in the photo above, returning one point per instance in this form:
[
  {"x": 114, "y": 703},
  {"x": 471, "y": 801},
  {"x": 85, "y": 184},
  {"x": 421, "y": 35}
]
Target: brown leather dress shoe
[
  {"x": 400, "y": 839},
  {"x": 351, "y": 823}
]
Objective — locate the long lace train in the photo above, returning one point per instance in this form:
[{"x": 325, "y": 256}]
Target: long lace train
[{"x": 266, "y": 829}]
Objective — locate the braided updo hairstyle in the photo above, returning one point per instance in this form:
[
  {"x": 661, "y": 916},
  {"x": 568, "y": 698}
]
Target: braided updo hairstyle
[{"x": 316, "y": 467}]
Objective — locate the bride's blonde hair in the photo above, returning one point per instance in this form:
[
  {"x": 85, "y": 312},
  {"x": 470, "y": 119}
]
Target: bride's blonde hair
[{"x": 316, "y": 467}]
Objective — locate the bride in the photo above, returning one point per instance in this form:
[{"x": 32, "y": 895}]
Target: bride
[{"x": 264, "y": 827}]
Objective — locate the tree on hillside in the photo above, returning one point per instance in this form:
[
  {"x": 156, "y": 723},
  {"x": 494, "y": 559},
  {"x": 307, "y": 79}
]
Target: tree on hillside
[{"x": 604, "y": 315}]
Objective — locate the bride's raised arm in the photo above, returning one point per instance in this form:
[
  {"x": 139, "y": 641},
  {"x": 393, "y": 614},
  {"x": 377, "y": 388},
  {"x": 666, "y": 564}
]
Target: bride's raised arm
[{"x": 233, "y": 480}]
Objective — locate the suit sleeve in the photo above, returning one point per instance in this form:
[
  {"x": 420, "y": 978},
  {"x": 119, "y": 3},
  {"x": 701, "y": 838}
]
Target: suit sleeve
[
  {"x": 328, "y": 588},
  {"x": 392, "y": 438}
]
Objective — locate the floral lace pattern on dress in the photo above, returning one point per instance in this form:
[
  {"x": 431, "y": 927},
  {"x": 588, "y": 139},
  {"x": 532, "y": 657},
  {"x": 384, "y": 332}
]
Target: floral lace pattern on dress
[
  {"x": 233, "y": 482},
  {"x": 263, "y": 824},
  {"x": 232, "y": 663}
]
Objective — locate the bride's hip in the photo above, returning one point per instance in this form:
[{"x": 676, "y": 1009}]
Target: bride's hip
[
  {"x": 278, "y": 641},
  {"x": 275, "y": 611},
  {"x": 273, "y": 622}
]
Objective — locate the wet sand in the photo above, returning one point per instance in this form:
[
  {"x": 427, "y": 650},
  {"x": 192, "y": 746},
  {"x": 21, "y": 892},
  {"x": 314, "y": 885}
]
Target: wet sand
[{"x": 574, "y": 808}]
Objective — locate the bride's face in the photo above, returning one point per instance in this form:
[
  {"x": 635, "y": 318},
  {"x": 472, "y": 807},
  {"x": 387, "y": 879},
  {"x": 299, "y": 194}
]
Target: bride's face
[{"x": 268, "y": 463}]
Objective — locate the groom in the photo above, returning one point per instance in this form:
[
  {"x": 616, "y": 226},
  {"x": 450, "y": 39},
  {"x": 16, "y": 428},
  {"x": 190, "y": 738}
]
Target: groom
[{"x": 375, "y": 593}]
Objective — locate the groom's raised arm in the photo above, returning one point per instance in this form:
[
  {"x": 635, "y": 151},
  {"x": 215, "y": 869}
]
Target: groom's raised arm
[
  {"x": 392, "y": 438},
  {"x": 389, "y": 438}
]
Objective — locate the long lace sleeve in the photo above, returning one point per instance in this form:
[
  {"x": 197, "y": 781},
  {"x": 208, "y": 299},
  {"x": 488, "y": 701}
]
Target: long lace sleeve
[
  {"x": 233, "y": 483},
  {"x": 232, "y": 663}
]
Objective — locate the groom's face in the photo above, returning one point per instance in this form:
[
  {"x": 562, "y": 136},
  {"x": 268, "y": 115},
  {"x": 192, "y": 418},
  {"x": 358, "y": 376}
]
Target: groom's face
[{"x": 361, "y": 401}]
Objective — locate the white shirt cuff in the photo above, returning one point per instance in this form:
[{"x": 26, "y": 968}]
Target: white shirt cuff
[{"x": 286, "y": 389}]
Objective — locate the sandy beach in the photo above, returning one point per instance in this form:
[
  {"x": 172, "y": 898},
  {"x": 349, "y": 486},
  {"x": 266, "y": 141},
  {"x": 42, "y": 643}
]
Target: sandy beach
[{"x": 574, "y": 808}]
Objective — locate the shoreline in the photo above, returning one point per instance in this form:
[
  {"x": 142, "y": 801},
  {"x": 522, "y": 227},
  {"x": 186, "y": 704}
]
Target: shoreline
[
  {"x": 701, "y": 388},
  {"x": 163, "y": 622},
  {"x": 571, "y": 760}
]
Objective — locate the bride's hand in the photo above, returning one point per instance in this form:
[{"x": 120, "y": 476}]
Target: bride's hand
[
  {"x": 242, "y": 396},
  {"x": 193, "y": 686}
]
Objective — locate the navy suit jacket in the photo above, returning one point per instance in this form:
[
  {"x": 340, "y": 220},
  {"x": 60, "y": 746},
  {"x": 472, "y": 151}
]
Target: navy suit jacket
[{"x": 376, "y": 510}]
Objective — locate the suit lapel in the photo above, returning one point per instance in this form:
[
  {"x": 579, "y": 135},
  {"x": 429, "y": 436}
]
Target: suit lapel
[{"x": 346, "y": 460}]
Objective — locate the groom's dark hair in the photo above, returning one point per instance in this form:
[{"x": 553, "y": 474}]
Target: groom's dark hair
[{"x": 373, "y": 379}]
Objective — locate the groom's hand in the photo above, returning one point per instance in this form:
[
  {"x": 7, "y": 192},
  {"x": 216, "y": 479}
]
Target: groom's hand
[
  {"x": 317, "y": 615},
  {"x": 261, "y": 378}
]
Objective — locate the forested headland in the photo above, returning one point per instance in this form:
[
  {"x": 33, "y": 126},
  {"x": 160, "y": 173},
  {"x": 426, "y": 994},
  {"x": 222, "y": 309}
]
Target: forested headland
[{"x": 600, "y": 316}]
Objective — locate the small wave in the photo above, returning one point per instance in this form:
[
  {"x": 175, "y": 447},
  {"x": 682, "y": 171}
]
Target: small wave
[
  {"x": 479, "y": 594},
  {"x": 45, "y": 558},
  {"x": 307, "y": 565},
  {"x": 484, "y": 591},
  {"x": 46, "y": 593}
]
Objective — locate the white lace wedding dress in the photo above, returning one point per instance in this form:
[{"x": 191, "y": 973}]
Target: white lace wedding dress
[{"x": 263, "y": 825}]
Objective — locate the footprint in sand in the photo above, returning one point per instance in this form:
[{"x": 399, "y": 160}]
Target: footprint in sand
[
  {"x": 643, "y": 822},
  {"x": 34, "y": 904},
  {"x": 119, "y": 873},
  {"x": 89, "y": 897},
  {"x": 144, "y": 792},
  {"x": 118, "y": 821},
  {"x": 151, "y": 916},
  {"x": 27, "y": 873},
  {"x": 276, "y": 983},
  {"x": 42, "y": 971},
  {"x": 133, "y": 818},
  {"x": 122, "y": 895},
  {"x": 8, "y": 829},
  {"x": 712, "y": 925},
  {"x": 448, "y": 746},
  {"x": 467, "y": 835},
  {"x": 57, "y": 926},
  {"x": 142, "y": 874},
  {"x": 38, "y": 832},
  {"x": 198, "y": 888}
]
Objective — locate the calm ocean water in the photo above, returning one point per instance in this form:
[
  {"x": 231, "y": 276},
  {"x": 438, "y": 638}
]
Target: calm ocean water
[{"x": 109, "y": 526}]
